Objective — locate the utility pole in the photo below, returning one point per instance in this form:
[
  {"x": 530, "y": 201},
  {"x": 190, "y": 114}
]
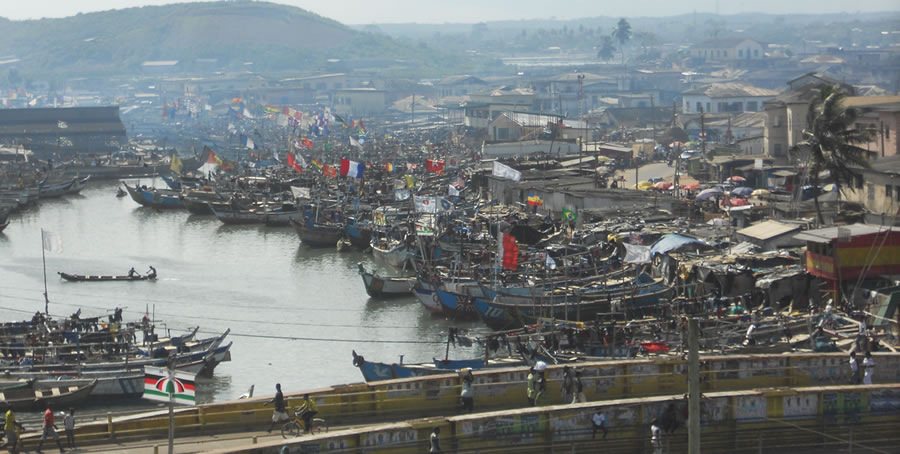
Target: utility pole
[{"x": 693, "y": 387}]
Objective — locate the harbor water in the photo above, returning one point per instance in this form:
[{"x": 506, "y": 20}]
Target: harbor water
[{"x": 295, "y": 313}]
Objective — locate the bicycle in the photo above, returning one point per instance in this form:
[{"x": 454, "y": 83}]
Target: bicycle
[{"x": 296, "y": 427}]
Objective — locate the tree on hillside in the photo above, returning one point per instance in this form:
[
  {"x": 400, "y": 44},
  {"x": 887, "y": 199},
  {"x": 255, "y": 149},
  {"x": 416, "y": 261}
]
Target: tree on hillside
[
  {"x": 622, "y": 33},
  {"x": 830, "y": 141},
  {"x": 606, "y": 49}
]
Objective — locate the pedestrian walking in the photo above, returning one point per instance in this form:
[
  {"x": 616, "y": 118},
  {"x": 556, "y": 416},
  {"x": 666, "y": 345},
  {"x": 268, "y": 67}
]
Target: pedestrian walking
[
  {"x": 540, "y": 396},
  {"x": 655, "y": 437},
  {"x": 468, "y": 394},
  {"x": 599, "y": 422},
  {"x": 280, "y": 414},
  {"x": 567, "y": 388},
  {"x": 435, "y": 440},
  {"x": 869, "y": 367},
  {"x": 69, "y": 424},
  {"x": 579, "y": 389},
  {"x": 49, "y": 430},
  {"x": 532, "y": 382},
  {"x": 12, "y": 428},
  {"x": 854, "y": 369}
]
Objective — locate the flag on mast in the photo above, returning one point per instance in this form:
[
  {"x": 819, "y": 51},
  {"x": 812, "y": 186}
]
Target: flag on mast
[
  {"x": 159, "y": 386},
  {"x": 51, "y": 241}
]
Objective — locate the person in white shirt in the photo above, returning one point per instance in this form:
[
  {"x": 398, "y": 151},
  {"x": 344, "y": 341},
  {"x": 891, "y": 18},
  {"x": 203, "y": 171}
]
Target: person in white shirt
[
  {"x": 869, "y": 367},
  {"x": 435, "y": 440},
  {"x": 655, "y": 437},
  {"x": 599, "y": 420},
  {"x": 69, "y": 424}
]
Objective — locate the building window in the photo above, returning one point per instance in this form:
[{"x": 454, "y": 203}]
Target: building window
[
  {"x": 699, "y": 106},
  {"x": 707, "y": 107},
  {"x": 858, "y": 181},
  {"x": 752, "y": 106},
  {"x": 756, "y": 52},
  {"x": 777, "y": 149},
  {"x": 887, "y": 191},
  {"x": 503, "y": 134},
  {"x": 870, "y": 187}
]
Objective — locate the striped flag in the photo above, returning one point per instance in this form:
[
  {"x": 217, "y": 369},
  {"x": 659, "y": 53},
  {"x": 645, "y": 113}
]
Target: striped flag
[{"x": 158, "y": 386}]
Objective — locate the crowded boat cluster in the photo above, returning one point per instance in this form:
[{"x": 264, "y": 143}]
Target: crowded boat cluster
[{"x": 517, "y": 245}]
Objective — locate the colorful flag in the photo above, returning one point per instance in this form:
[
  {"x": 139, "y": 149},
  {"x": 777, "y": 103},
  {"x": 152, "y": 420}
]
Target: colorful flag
[
  {"x": 329, "y": 171},
  {"x": 51, "y": 241},
  {"x": 293, "y": 163},
  {"x": 422, "y": 230},
  {"x": 534, "y": 199},
  {"x": 162, "y": 385},
  {"x": 338, "y": 118},
  {"x": 434, "y": 165},
  {"x": 509, "y": 252},
  {"x": 389, "y": 167},
  {"x": 352, "y": 168},
  {"x": 247, "y": 142},
  {"x": 402, "y": 194},
  {"x": 176, "y": 164},
  {"x": 505, "y": 171},
  {"x": 425, "y": 204},
  {"x": 411, "y": 166},
  {"x": 64, "y": 125},
  {"x": 569, "y": 215},
  {"x": 272, "y": 109},
  {"x": 316, "y": 164},
  {"x": 212, "y": 162},
  {"x": 410, "y": 182},
  {"x": 236, "y": 100}
]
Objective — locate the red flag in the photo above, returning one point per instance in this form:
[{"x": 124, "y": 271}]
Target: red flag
[
  {"x": 306, "y": 142},
  {"x": 329, "y": 171},
  {"x": 434, "y": 165},
  {"x": 345, "y": 166},
  {"x": 293, "y": 163},
  {"x": 510, "y": 252}
]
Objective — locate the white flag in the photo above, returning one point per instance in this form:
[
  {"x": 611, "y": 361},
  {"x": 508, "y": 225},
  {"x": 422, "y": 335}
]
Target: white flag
[
  {"x": 505, "y": 171},
  {"x": 453, "y": 191},
  {"x": 425, "y": 204},
  {"x": 635, "y": 253},
  {"x": 51, "y": 241},
  {"x": 550, "y": 264},
  {"x": 355, "y": 143},
  {"x": 300, "y": 193}
]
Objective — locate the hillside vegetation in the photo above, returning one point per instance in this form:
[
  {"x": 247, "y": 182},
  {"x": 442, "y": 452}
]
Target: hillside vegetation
[{"x": 273, "y": 37}]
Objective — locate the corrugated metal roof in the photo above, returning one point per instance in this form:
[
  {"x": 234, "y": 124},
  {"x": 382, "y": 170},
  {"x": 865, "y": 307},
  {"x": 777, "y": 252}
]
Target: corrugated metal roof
[
  {"x": 830, "y": 233},
  {"x": 768, "y": 229},
  {"x": 730, "y": 90}
]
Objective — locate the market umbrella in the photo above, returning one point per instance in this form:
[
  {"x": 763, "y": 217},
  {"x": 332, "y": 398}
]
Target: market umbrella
[
  {"x": 676, "y": 144},
  {"x": 742, "y": 191},
  {"x": 829, "y": 187},
  {"x": 691, "y": 186},
  {"x": 734, "y": 202},
  {"x": 663, "y": 185},
  {"x": 709, "y": 193},
  {"x": 760, "y": 192},
  {"x": 644, "y": 185},
  {"x": 736, "y": 178}
]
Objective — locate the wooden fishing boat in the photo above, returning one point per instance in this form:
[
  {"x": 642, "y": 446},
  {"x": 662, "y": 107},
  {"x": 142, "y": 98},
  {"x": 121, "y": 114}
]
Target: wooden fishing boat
[
  {"x": 78, "y": 185},
  {"x": 4, "y": 225},
  {"x": 426, "y": 295},
  {"x": 360, "y": 235},
  {"x": 315, "y": 234},
  {"x": 34, "y": 399},
  {"x": 280, "y": 216},
  {"x": 84, "y": 278},
  {"x": 155, "y": 198},
  {"x": 394, "y": 253},
  {"x": 386, "y": 287},
  {"x": 51, "y": 190},
  {"x": 460, "y": 307},
  {"x": 198, "y": 201},
  {"x": 235, "y": 216}
]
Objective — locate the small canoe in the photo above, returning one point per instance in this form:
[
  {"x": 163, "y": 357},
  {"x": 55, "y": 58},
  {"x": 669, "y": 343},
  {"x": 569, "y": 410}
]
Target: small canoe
[
  {"x": 60, "y": 395},
  {"x": 82, "y": 278}
]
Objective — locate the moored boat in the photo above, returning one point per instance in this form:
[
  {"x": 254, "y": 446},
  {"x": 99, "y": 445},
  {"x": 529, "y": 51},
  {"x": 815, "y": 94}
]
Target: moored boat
[
  {"x": 85, "y": 278},
  {"x": 386, "y": 287},
  {"x": 315, "y": 234}
]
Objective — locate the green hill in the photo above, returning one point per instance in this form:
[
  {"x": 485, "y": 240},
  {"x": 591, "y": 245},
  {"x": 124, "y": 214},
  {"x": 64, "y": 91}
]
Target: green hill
[{"x": 276, "y": 38}]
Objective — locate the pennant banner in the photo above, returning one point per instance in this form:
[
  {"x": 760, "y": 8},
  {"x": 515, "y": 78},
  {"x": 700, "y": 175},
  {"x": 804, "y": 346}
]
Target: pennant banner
[{"x": 158, "y": 386}]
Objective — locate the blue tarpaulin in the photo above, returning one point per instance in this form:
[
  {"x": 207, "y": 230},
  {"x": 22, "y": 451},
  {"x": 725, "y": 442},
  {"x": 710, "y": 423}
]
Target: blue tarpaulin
[{"x": 671, "y": 242}]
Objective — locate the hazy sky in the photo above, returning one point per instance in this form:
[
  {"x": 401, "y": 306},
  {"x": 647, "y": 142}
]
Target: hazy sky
[{"x": 468, "y": 11}]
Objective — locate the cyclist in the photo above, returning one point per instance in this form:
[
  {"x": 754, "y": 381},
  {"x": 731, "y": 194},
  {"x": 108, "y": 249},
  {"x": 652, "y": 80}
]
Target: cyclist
[{"x": 307, "y": 410}]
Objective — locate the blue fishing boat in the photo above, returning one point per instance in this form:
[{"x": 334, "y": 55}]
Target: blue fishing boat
[{"x": 155, "y": 198}]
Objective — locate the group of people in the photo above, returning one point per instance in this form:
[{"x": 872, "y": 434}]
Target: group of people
[
  {"x": 13, "y": 430},
  {"x": 307, "y": 410}
]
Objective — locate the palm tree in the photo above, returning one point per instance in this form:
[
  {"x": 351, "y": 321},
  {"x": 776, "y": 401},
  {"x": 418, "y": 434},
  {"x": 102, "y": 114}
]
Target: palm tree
[
  {"x": 622, "y": 33},
  {"x": 830, "y": 141},
  {"x": 606, "y": 49}
]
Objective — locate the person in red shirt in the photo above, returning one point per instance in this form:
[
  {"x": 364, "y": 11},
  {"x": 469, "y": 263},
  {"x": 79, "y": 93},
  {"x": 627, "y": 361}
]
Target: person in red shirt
[{"x": 49, "y": 430}]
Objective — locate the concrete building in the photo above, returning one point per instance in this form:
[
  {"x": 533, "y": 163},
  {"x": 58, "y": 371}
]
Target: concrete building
[
  {"x": 526, "y": 125},
  {"x": 882, "y": 115},
  {"x": 459, "y": 86},
  {"x": 64, "y": 130},
  {"x": 728, "y": 49},
  {"x": 725, "y": 97},
  {"x": 771, "y": 235},
  {"x": 360, "y": 101},
  {"x": 877, "y": 188}
]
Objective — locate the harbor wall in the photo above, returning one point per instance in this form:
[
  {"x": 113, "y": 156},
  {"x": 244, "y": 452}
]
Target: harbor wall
[
  {"x": 500, "y": 389},
  {"x": 827, "y": 419}
]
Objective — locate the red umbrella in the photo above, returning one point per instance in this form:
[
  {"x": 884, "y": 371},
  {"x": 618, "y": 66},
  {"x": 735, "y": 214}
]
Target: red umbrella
[
  {"x": 736, "y": 178},
  {"x": 663, "y": 185},
  {"x": 691, "y": 186},
  {"x": 734, "y": 202}
]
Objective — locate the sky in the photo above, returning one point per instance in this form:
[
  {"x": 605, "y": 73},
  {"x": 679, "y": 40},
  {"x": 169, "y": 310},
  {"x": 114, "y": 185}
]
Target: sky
[{"x": 471, "y": 11}]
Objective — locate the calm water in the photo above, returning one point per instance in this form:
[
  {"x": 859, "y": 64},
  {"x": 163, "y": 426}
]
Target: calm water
[{"x": 260, "y": 282}]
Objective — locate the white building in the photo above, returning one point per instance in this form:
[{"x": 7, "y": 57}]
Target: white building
[
  {"x": 725, "y": 97},
  {"x": 728, "y": 49}
]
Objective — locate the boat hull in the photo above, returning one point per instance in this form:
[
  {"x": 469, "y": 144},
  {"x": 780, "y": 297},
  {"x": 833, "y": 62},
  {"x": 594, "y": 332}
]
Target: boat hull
[{"x": 317, "y": 235}]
